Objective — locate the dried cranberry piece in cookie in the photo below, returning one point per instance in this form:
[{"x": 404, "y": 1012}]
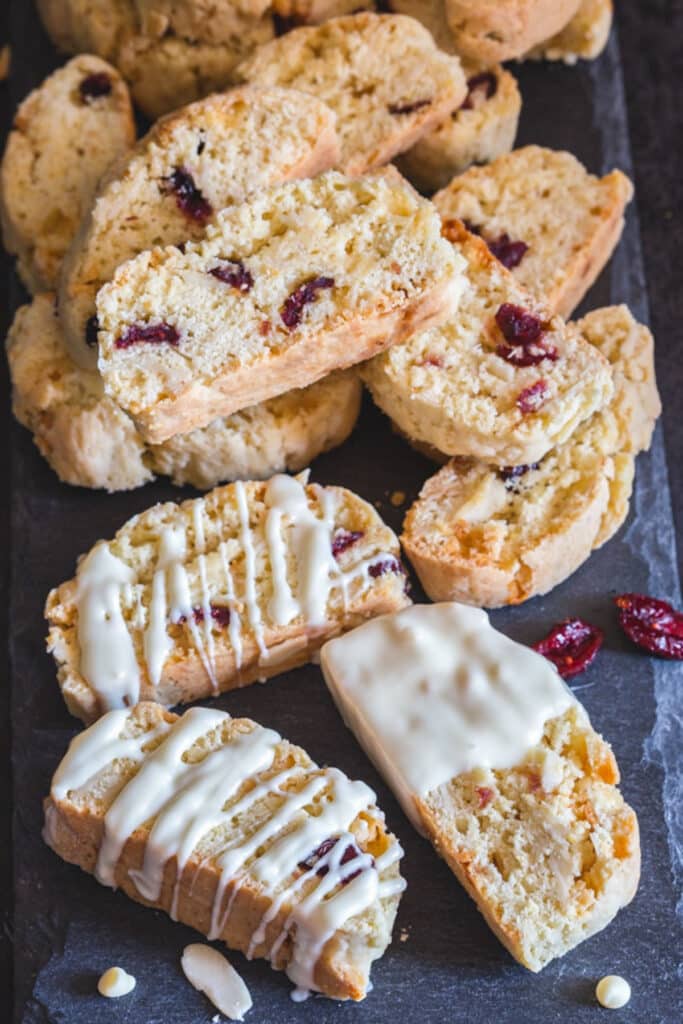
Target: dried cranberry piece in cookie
[
  {"x": 153, "y": 334},
  {"x": 526, "y": 355},
  {"x": 652, "y": 624},
  {"x": 480, "y": 88},
  {"x": 188, "y": 197},
  {"x": 344, "y": 539},
  {"x": 485, "y": 795},
  {"x": 512, "y": 474},
  {"x": 293, "y": 308},
  {"x": 507, "y": 252},
  {"x": 572, "y": 646},
  {"x": 219, "y": 613},
  {"x": 327, "y": 845},
  {"x": 407, "y": 108},
  {"x": 518, "y": 326},
  {"x": 94, "y": 86},
  {"x": 532, "y": 398},
  {"x": 92, "y": 326},
  {"x": 235, "y": 274}
]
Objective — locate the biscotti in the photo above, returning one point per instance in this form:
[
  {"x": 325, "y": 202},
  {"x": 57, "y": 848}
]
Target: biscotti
[
  {"x": 294, "y": 13},
  {"x": 208, "y": 21},
  {"x": 491, "y": 537},
  {"x": 584, "y": 38},
  {"x": 236, "y": 832},
  {"x": 193, "y": 163},
  {"x": 382, "y": 75},
  {"x": 90, "y": 442},
  {"x": 215, "y": 593},
  {"x": 482, "y": 128},
  {"x": 301, "y": 279},
  {"x": 48, "y": 178},
  {"x": 496, "y": 762},
  {"x": 550, "y": 221},
  {"x": 490, "y": 31},
  {"x": 503, "y": 381}
]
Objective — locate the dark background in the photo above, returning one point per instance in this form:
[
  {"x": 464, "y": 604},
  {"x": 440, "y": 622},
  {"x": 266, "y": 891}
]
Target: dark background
[{"x": 651, "y": 41}]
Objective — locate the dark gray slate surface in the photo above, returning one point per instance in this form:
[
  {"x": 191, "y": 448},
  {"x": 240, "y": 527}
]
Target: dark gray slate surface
[{"x": 68, "y": 929}]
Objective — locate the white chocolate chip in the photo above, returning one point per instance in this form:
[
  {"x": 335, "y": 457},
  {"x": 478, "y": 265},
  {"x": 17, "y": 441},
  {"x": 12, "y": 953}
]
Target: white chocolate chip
[
  {"x": 613, "y": 992},
  {"x": 115, "y": 982},
  {"x": 210, "y": 973}
]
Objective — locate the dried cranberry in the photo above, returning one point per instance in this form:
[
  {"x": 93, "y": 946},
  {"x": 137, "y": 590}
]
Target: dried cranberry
[
  {"x": 485, "y": 796},
  {"x": 518, "y": 326},
  {"x": 652, "y": 624},
  {"x": 407, "y": 108},
  {"x": 534, "y": 781},
  {"x": 92, "y": 87},
  {"x": 154, "y": 334},
  {"x": 572, "y": 646},
  {"x": 511, "y": 475},
  {"x": 188, "y": 197},
  {"x": 484, "y": 85},
  {"x": 532, "y": 398},
  {"x": 527, "y": 355},
  {"x": 428, "y": 360},
  {"x": 292, "y": 311},
  {"x": 384, "y": 566},
  {"x": 349, "y": 854},
  {"x": 92, "y": 326},
  {"x": 235, "y": 274},
  {"x": 219, "y": 613},
  {"x": 507, "y": 252},
  {"x": 343, "y": 539}
]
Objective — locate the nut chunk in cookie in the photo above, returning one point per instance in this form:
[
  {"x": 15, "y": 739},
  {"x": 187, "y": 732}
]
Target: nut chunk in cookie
[
  {"x": 236, "y": 832},
  {"x": 496, "y": 762},
  {"x": 301, "y": 279},
  {"x": 48, "y": 176},
  {"x": 218, "y": 592}
]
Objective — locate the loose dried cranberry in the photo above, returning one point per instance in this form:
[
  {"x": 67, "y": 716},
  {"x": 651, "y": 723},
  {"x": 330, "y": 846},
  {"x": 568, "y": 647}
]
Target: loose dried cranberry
[
  {"x": 484, "y": 85},
  {"x": 384, "y": 566},
  {"x": 485, "y": 796},
  {"x": 235, "y": 274},
  {"x": 92, "y": 326},
  {"x": 507, "y": 252},
  {"x": 518, "y": 326},
  {"x": 92, "y": 87},
  {"x": 154, "y": 334},
  {"x": 188, "y": 197},
  {"x": 527, "y": 355},
  {"x": 654, "y": 625},
  {"x": 292, "y": 311},
  {"x": 343, "y": 539},
  {"x": 572, "y": 646},
  {"x": 407, "y": 108},
  {"x": 532, "y": 398},
  {"x": 349, "y": 854}
]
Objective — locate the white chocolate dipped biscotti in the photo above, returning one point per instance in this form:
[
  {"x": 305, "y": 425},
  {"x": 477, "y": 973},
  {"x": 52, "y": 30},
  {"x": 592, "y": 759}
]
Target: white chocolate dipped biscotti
[
  {"x": 545, "y": 217},
  {"x": 503, "y": 381},
  {"x": 48, "y": 177},
  {"x": 191, "y": 164},
  {"x": 90, "y": 442},
  {"x": 496, "y": 762},
  {"x": 382, "y": 74},
  {"x": 232, "y": 830},
  {"x": 492, "y": 537},
  {"x": 193, "y": 599},
  {"x": 301, "y": 279}
]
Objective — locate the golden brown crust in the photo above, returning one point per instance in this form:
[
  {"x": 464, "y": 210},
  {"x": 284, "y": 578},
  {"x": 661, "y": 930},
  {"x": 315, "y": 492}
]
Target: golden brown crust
[{"x": 499, "y": 30}]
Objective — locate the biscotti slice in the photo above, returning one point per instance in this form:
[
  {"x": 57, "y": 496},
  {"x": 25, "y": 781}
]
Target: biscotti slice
[
  {"x": 481, "y": 129},
  {"x": 490, "y": 31},
  {"x": 496, "y": 762},
  {"x": 381, "y": 74},
  {"x": 214, "y": 593},
  {"x": 48, "y": 178},
  {"x": 90, "y": 442},
  {"x": 473, "y": 387},
  {"x": 584, "y": 38},
  {"x": 492, "y": 537},
  {"x": 191, "y": 164},
  {"x": 209, "y": 21},
  {"x": 88, "y": 26},
  {"x": 301, "y": 279},
  {"x": 236, "y": 832},
  {"x": 550, "y": 221}
]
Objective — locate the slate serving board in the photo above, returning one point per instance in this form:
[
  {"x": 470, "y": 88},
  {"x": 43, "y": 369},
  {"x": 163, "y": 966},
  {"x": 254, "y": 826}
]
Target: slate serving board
[{"x": 444, "y": 963}]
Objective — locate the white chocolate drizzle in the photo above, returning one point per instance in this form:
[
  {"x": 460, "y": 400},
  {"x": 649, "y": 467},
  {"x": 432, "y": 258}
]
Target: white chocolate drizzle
[
  {"x": 434, "y": 691},
  {"x": 184, "y": 801},
  {"x": 296, "y": 539}
]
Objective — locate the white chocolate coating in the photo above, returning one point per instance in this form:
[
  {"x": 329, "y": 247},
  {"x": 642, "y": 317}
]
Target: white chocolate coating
[
  {"x": 115, "y": 983},
  {"x": 434, "y": 691},
  {"x": 209, "y": 972},
  {"x": 186, "y": 799},
  {"x": 613, "y": 992}
]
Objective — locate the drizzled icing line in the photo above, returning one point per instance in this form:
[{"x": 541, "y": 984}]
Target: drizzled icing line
[
  {"x": 292, "y": 530},
  {"x": 188, "y": 800}
]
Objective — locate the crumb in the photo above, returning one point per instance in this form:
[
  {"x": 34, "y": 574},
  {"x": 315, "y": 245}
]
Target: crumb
[
  {"x": 404, "y": 935},
  {"x": 5, "y": 62},
  {"x": 397, "y": 498},
  {"x": 216, "y": 1018}
]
